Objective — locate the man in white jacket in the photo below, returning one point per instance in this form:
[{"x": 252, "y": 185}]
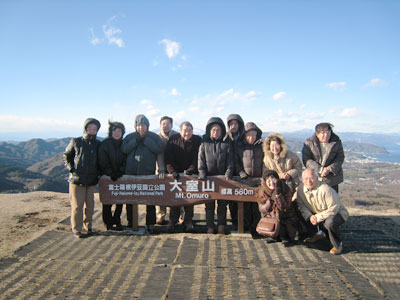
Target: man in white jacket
[{"x": 320, "y": 206}]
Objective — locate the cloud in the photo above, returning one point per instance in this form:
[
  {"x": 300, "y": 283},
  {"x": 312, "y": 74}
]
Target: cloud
[
  {"x": 228, "y": 94},
  {"x": 111, "y": 35},
  {"x": 151, "y": 111},
  {"x": 175, "y": 92},
  {"x": 14, "y": 123},
  {"x": 279, "y": 96},
  {"x": 171, "y": 48},
  {"x": 94, "y": 40},
  {"x": 349, "y": 112},
  {"x": 252, "y": 94},
  {"x": 337, "y": 86},
  {"x": 146, "y": 102},
  {"x": 376, "y": 82}
]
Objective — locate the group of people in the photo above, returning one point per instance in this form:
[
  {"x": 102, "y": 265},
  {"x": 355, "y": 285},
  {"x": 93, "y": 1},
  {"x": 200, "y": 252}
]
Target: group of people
[{"x": 310, "y": 207}]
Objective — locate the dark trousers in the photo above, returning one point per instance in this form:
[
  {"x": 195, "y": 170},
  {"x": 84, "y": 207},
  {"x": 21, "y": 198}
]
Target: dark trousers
[
  {"x": 175, "y": 211},
  {"x": 150, "y": 214},
  {"x": 251, "y": 216},
  {"x": 221, "y": 212},
  {"x": 331, "y": 227},
  {"x": 233, "y": 209},
  {"x": 108, "y": 218}
]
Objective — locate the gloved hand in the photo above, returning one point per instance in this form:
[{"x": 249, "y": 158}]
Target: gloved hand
[
  {"x": 228, "y": 176},
  {"x": 189, "y": 172},
  {"x": 243, "y": 175},
  {"x": 139, "y": 138},
  {"x": 114, "y": 176},
  {"x": 175, "y": 175}
]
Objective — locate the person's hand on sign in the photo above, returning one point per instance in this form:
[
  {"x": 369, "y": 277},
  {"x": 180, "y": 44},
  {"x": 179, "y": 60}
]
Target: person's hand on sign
[
  {"x": 189, "y": 172},
  {"x": 161, "y": 175},
  {"x": 243, "y": 175}
]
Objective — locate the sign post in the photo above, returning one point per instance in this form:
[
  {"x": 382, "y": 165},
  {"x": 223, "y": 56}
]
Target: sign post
[{"x": 187, "y": 190}]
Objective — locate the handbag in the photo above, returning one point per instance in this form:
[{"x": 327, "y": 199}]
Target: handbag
[{"x": 269, "y": 224}]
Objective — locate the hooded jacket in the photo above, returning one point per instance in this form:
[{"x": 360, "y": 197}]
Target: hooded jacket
[
  {"x": 111, "y": 159},
  {"x": 249, "y": 158},
  {"x": 333, "y": 158},
  {"x": 215, "y": 156},
  {"x": 229, "y": 134},
  {"x": 286, "y": 161},
  {"x": 141, "y": 152},
  {"x": 80, "y": 157}
]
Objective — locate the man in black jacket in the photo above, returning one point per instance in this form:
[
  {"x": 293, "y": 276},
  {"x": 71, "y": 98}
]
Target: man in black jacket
[
  {"x": 181, "y": 156},
  {"x": 80, "y": 158}
]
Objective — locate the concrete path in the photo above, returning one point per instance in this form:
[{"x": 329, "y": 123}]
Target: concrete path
[{"x": 124, "y": 265}]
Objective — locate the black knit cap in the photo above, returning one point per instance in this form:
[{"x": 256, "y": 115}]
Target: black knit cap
[{"x": 268, "y": 173}]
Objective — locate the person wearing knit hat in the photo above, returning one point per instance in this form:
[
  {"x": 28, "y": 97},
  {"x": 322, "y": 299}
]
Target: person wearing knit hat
[
  {"x": 142, "y": 148},
  {"x": 112, "y": 163}
]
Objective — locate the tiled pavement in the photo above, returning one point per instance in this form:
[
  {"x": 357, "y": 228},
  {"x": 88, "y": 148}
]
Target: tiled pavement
[{"x": 123, "y": 265}]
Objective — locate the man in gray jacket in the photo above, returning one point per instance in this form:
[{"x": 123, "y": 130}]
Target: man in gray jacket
[
  {"x": 142, "y": 148},
  {"x": 165, "y": 133}
]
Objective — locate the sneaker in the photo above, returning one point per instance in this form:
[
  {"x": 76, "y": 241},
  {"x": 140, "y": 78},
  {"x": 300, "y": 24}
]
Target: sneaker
[
  {"x": 210, "y": 230},
  {"x": 221, "y": 229},
  {"x": 270, "y": 240},
  {"x": 77, "y": 235},
  {"x": 336, "y": 251},
  {"x": 119, "y": 227},
  {"x": 315, "y": 238},
  {"x": 287, "y": 243}
]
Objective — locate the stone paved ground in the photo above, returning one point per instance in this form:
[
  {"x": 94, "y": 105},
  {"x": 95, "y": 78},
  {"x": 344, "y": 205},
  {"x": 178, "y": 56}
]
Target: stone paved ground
[{"x": 115, "y": 265}]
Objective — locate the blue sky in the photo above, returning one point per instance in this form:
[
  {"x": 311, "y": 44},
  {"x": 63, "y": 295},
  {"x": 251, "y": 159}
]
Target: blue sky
[{"x": 285, "y": 65}]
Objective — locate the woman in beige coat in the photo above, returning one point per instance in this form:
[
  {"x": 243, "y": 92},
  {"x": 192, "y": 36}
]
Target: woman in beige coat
[{"x": 277, "y": 157}]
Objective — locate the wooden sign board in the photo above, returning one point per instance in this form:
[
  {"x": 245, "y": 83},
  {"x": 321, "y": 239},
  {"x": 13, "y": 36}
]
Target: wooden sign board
[{"x": 186, "y": 190}]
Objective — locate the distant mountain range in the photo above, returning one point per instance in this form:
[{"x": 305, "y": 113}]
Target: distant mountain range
[{"x": 37, "y": 164}]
